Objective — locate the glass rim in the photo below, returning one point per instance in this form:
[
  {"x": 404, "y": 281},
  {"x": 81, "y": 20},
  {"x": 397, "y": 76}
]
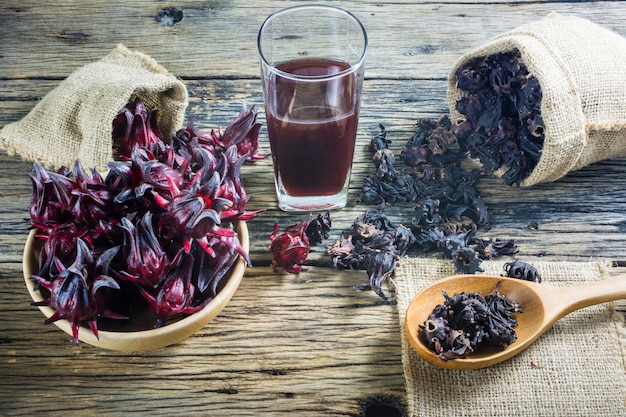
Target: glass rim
[{"x": 353, "y": 67}]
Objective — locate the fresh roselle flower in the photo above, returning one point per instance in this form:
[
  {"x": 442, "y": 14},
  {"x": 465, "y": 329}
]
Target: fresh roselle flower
[
  {"x": 60, "y": 243},
  {"x": 143, "y": 177},
  {"x": 243, "y": 132},
  {"x": 134, "y": 127},
  {"x": 176, "y": 296},
  {"x": 91, "y": 197},
  {"x": 189, "y": 216},
  {"x": 213, "y": 267},
  {"x": 290, "y": 247},
  {"x": 146, "y": 260},
  {"x": 232, "y": 189},
  {"x": 71, "y": 296},
  {"x": 50, "y": 202},
  {"x": 193, "y": 138}
]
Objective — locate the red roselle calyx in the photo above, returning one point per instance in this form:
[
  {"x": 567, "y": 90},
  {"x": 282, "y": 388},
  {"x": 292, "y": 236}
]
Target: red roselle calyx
[
  {"x": 290, "y": 247},
  {"x": 169, "y": 206}
]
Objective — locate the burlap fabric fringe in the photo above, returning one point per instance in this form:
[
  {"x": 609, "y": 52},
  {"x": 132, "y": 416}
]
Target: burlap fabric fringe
[
  {"x": 581, "y": 68},
  {"x": 575, "y": 369},
  {"x": 74, "y": 120}
]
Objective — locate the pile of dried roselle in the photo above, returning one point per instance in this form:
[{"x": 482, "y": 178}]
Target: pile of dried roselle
[
  {"x": 503, "y": 127},
  {"x": 447, "y": 208},
  {"x": 467, "y": 321},
  {"x": 159, "y": 226}
]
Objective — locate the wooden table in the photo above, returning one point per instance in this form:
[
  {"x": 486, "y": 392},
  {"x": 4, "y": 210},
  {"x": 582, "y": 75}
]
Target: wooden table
[{"x": 308, "y": 343}]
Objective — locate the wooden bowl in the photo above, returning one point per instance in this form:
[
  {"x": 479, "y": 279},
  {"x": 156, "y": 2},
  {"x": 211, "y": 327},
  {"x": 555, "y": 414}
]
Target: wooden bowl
[{"x": 138, "y": 334}]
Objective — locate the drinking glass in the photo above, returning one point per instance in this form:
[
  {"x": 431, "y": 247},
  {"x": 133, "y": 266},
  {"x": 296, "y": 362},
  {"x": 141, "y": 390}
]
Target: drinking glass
[{"x": 312, "y": 64}]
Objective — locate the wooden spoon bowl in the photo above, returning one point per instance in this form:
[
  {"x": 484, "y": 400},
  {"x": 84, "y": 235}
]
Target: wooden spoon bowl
[{"x": 542, "y": 305}]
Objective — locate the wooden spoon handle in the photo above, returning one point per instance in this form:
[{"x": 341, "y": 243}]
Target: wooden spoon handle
[{"x": 561, "y": 301}]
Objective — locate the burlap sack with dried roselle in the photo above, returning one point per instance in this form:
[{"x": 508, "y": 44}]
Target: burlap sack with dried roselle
[
  {"x": 581, "y": 69},
  {"x": 75, "y": 119}
]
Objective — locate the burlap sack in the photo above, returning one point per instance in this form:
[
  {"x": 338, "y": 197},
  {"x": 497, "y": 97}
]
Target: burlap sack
[
  {"x": 74, "y": 121},
  {"x": 575, "y": 369},
  {"x": 581, "y": 68}
]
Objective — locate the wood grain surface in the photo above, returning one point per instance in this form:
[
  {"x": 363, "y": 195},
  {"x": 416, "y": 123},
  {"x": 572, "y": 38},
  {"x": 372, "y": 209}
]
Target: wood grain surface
[{"x": 306, "y": 344}]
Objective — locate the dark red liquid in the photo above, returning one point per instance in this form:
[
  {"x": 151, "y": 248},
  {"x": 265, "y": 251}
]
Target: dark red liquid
[{"x": 312, "y": 127}]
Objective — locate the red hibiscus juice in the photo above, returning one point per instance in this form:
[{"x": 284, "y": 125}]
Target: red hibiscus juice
[{"x": 312, "y": 123}]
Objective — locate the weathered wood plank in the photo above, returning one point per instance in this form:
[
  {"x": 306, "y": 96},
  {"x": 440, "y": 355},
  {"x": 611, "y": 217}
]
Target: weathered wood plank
[{"x": 218, "y": 39}]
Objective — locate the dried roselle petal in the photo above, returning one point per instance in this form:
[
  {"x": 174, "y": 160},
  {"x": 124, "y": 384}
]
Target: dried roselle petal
[
  {"x": 384, "y": 163},
  {"x": 417, "y": 150},
  {"x": 522, "y": 270},
  {"x": 466, "y": 261},
  {"x": 318, "y": 229},
  {"x": 467, "y": 321},
  {"x": 501, "y": 91},
  {"x": 426, "y": 214},
  {"x": 491, "y": 248},
  {"x": 176, "y": 296},
  {"x": 379, "y": 141},
  {"x": 377, "y": 192},
  {"x": 435, "y": 328},
  {"x": 343, "y": 254},
  {"x": 379, "y": 266},
  {"x": 290, "y": 248}
]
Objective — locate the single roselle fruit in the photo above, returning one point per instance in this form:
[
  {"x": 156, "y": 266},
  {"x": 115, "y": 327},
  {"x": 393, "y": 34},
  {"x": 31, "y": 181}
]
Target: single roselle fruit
[
  {"x": 134, "y": 127},
  {"x": 232, "y": 190},
  {"x": 146, "y": 260},
  {"x": 59, "y": 243},
  {"x": 190, "y": 216},
  {"x": 91, "y": 197},
  {"x": 212, "y": 268},
  {"x": 71, "y": 295},
  {"x": 243, "y": 132},
  {"x": 290, "y": 247},
  {"x": 176, "y": 296},
  {"x": 50, "y": 203}
]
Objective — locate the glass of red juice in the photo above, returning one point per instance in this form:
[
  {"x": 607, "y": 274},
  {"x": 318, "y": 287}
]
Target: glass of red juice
[{"x": 312, "y": 64}]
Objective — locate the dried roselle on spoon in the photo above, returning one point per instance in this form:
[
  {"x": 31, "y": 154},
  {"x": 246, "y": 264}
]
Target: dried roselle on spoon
[
  {"x": 467, "y": 321},
  {"x": 290, "y": 247}
]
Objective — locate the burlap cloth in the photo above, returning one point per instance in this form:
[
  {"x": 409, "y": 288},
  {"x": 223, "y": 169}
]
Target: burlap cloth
[
  {"x": 581, "y": 68},
  {"x": 577, "y": 368},
  {"x": 74, "y": 120}
]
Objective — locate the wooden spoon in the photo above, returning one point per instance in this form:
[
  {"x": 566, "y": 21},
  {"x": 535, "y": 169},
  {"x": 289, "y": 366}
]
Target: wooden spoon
[{"x": 542, "y": 305}]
